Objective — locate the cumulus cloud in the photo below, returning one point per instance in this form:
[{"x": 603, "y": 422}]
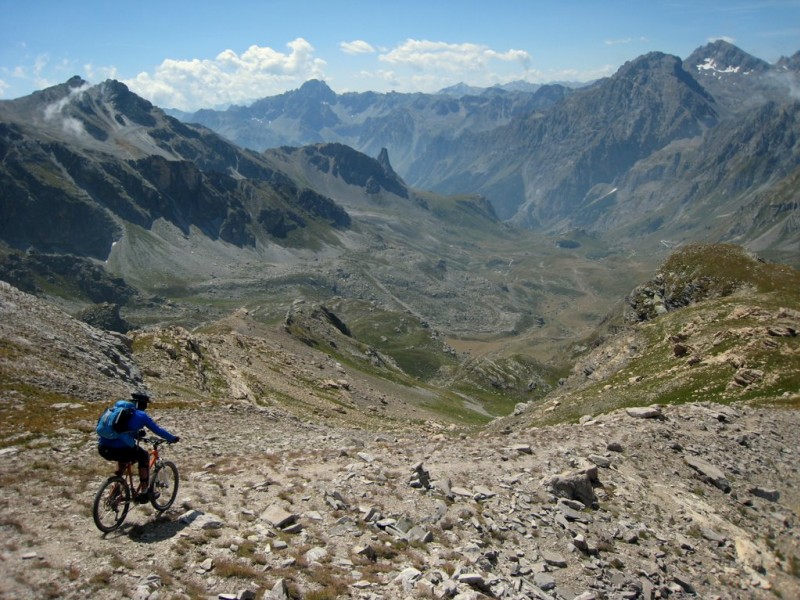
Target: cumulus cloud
[
  {"x": 3, "y": 87},
  {"x": 228, "y": 78},
  {"x": 357, "y": 47},
  {"x": 443, "y": 56},
  {"x": 429, "y": 66}
]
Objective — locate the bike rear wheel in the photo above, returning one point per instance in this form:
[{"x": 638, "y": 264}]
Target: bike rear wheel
[
  {"x": 164, "y": 486},
  {"x": 111, "y": 504}
]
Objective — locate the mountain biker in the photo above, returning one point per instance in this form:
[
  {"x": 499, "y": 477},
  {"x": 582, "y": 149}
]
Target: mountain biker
[{"x": 124, "y": 448}]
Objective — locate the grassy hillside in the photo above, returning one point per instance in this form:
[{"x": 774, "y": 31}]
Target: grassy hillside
[{"x": 715, "y": 324}]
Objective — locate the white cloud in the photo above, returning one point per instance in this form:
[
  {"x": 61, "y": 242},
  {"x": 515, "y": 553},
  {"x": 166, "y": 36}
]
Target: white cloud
[
  {"x": 42, "y": 72},
  {"x": 228, "y": 78},
  {"x": 428, "y": 55},
  {"x": 93, "y": 73},
  {"x": 357, "y": 47},
  {"x": 40, "y": 63},
  {"x": 723, "y": 38},
  {"x": 3, "y": 87},
  {"x": 624, "y": 41},
  {"x": 429, "y": 66},
  {"x": 55, "y": 112}
]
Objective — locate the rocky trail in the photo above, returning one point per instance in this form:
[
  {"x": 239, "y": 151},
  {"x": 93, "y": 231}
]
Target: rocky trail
[{"x": 689, "y": 501}]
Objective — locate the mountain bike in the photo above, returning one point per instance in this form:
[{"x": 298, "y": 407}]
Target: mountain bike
[{"x": 114, "y": 498}]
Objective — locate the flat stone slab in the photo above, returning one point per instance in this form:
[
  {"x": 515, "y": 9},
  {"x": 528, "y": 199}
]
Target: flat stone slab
[
  {"x": 600, "y": 461},
  {"x": 574, "y": 515},
  {"x": 544, "y": 581},
  {"x": 766, "y": 494},
  {"x": 644, "y": 412},
  {"x": 553, "y": 559},
  {"x": 471, "y": 579},
  {"x": 709, "y": 473},
  {"x": 278, "y": 517}
]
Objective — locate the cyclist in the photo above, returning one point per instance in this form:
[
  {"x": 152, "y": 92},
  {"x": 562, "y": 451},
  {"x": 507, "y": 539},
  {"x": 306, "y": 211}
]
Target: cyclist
[{"x": 125, "y": 450}]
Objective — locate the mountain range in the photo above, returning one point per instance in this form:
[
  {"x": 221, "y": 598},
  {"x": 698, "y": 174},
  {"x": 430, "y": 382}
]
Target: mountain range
[{"x": 664, "y": 150}]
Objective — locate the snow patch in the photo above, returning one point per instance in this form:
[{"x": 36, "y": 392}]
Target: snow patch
[{"x": 711, "y": 65}]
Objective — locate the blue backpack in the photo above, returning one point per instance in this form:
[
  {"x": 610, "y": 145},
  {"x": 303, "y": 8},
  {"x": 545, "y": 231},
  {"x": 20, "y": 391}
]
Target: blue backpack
[{"x": 113, "y": 423}]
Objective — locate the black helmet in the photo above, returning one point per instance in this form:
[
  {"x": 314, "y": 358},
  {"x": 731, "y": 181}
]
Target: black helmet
[{"x": 142, "y": 399}]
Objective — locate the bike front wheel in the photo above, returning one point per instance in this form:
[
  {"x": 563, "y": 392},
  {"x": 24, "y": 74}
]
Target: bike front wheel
[
  {"x": 164, "y": 486},
  {"x": 111, "y": 504}
]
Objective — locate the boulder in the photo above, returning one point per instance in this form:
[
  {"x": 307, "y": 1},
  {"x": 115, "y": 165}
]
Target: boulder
[
  {"x": 420, "y": 477},
  {"x": 746, "y": 377},
  {"x": 365, "y": 550},
  {"x": 644, "y": 412},
  {"x": 316, "y": 554},
  {"x": 279, "y": 591},
  {"x": 553, "y": 559},
  {"x": 575, "y": 485},
  {"x": 544, "y": 581},
  {"x": 709, "y": 473},
  {"x": 278, "y": 517},
  {"x": 600, "y": 461},
  {"x": 407, "y": 578},
  {"x": 766, "y": 494}
]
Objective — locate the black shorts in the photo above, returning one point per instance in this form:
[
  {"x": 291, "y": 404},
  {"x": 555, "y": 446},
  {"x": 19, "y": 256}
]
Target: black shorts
[{"x": 136, "y": 454}]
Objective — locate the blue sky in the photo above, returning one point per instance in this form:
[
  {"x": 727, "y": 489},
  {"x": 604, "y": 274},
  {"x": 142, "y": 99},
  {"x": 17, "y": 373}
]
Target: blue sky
[{"x": 194, "y": 54}]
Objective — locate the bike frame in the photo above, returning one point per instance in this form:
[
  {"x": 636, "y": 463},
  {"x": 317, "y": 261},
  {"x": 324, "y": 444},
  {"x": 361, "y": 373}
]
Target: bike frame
[{"x": 127, "y": 468}]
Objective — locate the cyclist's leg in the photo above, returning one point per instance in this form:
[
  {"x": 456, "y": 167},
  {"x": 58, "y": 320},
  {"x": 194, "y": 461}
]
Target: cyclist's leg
[{"x": 143, "y": 458}]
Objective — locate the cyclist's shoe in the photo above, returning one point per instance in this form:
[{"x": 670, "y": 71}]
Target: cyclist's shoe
[{"x": 142, "y": 498}]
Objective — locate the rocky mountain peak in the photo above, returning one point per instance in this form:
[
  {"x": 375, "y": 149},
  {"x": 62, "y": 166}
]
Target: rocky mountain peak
[
  {"x": 76, "y": 81},
  {"x": 136, "y": 108},
  {"x": 722, "y": 57},
  {"x": 383, "y": 161},
  {"x": 317, "y": 90},
  {"x": 645, "y": 64},
  {"x": 661, "y": 71},
  {"x": 791, "y": 63}
]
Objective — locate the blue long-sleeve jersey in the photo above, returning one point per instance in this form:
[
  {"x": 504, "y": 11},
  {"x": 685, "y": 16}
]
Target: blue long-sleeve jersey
[{"x": 139, "y": 419}]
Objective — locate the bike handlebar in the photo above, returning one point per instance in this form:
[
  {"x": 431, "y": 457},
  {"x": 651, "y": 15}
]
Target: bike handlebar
[{"x": 154, "y": 441}]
